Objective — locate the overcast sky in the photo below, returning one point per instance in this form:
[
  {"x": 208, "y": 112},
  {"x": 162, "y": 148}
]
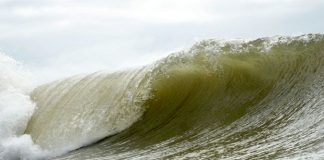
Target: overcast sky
[{"x": 58, "y": 38}]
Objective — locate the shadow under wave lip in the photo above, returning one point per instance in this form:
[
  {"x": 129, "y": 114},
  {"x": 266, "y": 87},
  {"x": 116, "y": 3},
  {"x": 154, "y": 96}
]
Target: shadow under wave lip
[{"x": 219, "y": 100}]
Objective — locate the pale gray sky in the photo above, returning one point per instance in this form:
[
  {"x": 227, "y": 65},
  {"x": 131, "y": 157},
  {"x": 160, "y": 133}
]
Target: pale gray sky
[{"x": 58, "y": 38}]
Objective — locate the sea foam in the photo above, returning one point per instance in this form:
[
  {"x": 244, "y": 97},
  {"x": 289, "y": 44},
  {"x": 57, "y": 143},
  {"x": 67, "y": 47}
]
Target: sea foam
[{"x": 16, "y": 108}]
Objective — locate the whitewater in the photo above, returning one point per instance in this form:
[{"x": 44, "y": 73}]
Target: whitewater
[{"x": 220, "y": 99}]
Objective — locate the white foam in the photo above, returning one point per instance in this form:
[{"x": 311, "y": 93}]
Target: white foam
[
  {"x": 21, "y": 147},
  {"x": 16, "y": 108}
]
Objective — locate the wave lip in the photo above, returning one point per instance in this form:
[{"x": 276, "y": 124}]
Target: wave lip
[
  {"x": 219, "y": 99},
  {"x": 84, "y": 109}
]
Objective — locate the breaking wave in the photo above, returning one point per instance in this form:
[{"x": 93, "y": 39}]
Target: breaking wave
[{"x": 259, "y": 99}]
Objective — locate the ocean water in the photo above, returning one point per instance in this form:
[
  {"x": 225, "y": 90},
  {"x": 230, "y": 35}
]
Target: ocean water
[{"x": 238, "y": 99}]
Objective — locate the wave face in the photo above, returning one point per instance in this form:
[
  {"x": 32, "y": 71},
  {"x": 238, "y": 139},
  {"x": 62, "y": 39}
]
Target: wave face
[{"x": 259, "y": 99}]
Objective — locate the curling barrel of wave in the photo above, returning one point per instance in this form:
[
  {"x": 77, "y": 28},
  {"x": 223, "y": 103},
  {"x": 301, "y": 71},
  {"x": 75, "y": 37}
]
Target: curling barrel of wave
[{"x": 216, "y": 95}]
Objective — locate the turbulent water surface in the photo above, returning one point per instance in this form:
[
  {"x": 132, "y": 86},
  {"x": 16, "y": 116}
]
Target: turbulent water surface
[{"x": 259, "y": 99}]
